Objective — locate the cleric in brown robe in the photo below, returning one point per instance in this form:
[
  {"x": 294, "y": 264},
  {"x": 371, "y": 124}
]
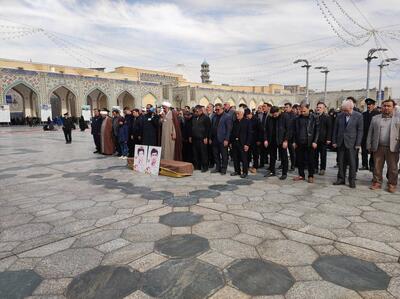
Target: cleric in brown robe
[
  {"x": 106, "y": 137},
  {"x": 171, "y": 136}
]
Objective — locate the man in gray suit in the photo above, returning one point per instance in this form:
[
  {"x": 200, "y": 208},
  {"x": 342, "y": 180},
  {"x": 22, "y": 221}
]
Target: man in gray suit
[
  {"x": 347, "y": 137},
  {"x": 384, "y": 142}
]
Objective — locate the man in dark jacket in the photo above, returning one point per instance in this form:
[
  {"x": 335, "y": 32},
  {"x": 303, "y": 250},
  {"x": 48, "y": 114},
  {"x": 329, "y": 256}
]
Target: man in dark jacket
[
  {"x": 347, "y": 137},
  {"x": 262, "y": 117},
  {"x": 257, "y": 138},
  {"x": 276, "y": 137},
  {"x": 96, "y": 130},
  {"x": 241, "y": 141},
  {"x": 186, "y": 128},
  {"x": 150, "y": 127},
  {"x": 292, "y": 114},
  {"x": 324, "y": 137},
  {"x": 367, "y": 118},
  {"x": 221, "y": 128},
  {"x": 115, "y": 126},
  {"x": 305, "y": 137},
  {"x": 201, "y": 125},
  {"x": 135, "y": 130},
  {"x": 67, "y": 127}
]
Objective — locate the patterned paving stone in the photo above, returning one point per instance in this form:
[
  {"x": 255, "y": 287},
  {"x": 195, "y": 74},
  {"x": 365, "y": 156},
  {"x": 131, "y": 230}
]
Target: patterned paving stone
[
  {"x": 223, "y": 187},
  {"x": 146, "y": 232},
  {"x": 182, "y": 278},
  {"x": 7, "y": 176},
  {"x": 14, "y": 220},
  {"x": 68, "y": 263},
  {"x": 182, "y": 246},
  {"x": 286, "y": 252},
  {"x": 242, "y": 182},
  {"x": 382, "y": 217},
  {"x": 375, "y": 231},
  {"x": 25, "y": 232},
  {"x": 95, "y": 212},
  {"x": 104, "y": 282},
  {"x": 351, "y": 273},
  {"x": 157, "y": 195},
  {"x": 233, "y": 248},
  {"x": 182, "y": 201},
  {"x": 320, "y": 290},
  {"x": 179, "y": 219},
  {"x": 257, "y": 277},
  {"x": 326, "y": 220},
  {"x": 215, "y": 229},
  {"x": 18, "y": 284},
  {"x": 39, "y": 175},
  {"x": 205, "y": 193},
  {"x": 127, "y": 254}
]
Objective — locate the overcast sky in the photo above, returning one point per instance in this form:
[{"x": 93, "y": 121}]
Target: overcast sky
[{"x": 250, "y": 42}]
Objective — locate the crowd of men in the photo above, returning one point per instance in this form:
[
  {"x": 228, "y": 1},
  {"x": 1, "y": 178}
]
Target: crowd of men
[{"x": 294, "y": 134}]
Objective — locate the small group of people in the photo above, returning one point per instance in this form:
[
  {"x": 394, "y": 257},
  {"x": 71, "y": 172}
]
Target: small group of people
[{"x": 209, "y": 136}]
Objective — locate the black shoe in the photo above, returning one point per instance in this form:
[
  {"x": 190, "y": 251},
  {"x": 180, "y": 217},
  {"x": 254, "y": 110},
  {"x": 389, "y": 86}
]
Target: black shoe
[
  {"x": 269, "y": 174},
  {"x": 234, "y": 174},
  {"x": 95, "y": 152},
  {"x": 337, "y": 183},
  {"x": 364, "y": 168},
  {"x": 352, "y": 185},
  {"x": 215, "y": 171},
  {"x": 204, "y": 170},
  {"x": 243, "y": 176},
  {"x": 223, "y": 172},
  {"x": 283, "y": 177}
]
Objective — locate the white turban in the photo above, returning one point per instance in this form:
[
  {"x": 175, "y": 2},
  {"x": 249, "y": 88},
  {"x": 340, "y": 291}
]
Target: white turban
[{"x": 166, "y": 104}]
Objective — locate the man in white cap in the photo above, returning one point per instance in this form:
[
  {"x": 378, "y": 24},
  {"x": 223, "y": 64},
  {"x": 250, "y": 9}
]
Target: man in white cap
[{"x": 171, "y": 138}]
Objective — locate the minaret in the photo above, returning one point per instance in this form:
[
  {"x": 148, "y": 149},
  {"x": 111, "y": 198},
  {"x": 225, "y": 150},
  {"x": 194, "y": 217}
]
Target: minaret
[{"x": 205, "y": 73}]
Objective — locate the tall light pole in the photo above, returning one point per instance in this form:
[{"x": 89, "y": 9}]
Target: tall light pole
[
  {"x": 307, "y": 66},
  {"x": 324, "y": 71},
  {"x": 369, "y": 58},
  {"x": 384, "y": 63}
]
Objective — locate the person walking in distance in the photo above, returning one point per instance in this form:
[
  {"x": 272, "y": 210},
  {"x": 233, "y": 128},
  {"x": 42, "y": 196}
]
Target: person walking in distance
[{"x": 67, "y": 127}]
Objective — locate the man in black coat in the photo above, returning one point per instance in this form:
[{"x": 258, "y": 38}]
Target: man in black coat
[
  {"x": 324, "y": 137},
  {"x": 150, "y": 127},
  {"x": 367, "y": 118},
  {"x": 257, "y": 138},
  {"x": 291, "y": 112},
  {"x": 240, "y": 141},
  {"x": 186, "y": 129},
  {"x": 347, "y": 137},
  {"x": 67, "y": 127},
  {"x": 276, "y": 137},
  {"x": 201, "y": 126},
  {"x": 305, "y": 138},
  {"x": 96, "y": 130},
  {"x": 135, "y": 130}
]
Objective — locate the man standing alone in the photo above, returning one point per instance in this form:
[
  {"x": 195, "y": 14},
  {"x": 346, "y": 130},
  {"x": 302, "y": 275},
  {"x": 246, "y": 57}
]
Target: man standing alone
[
  {"x": 67, "y": 128},
  {"x": 384, "y": 143}
]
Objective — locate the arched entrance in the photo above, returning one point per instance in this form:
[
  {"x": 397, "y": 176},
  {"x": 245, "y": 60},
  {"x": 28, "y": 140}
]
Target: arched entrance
[
  {"x": 149, "y": 99},
  {"x": 204, "y": 101},
  {"x": 23, "y": 101},
  {"x": 252, "y": 105},
  {"x": 62, "y": 100},
  {"x": 97, "y": 99},
  {"x": 126, "y": 99},
  {"x": 218, "y": 101}
]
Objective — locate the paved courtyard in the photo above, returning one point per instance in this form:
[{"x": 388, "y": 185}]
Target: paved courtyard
[{"x": 78, "y": 225}]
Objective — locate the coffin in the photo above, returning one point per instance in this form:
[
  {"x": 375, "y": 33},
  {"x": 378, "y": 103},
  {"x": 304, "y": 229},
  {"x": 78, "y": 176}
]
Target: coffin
[{"x": 175, "y": 168}]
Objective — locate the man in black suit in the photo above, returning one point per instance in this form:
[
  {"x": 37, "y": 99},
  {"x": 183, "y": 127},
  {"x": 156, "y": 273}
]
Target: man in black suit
[
  {"x": 262, "y": 117},
  {"x": 305, "y": 138},
  {"x": 367, "y": 118},
  {"x": 291, "y": 111},
  {"x": 67, "y": 127},
  {"x": 240, "y": 141},
  {"x": 347, "y": 137},
  {"x": 201, "y": 126},
  {"x": 96, "y": 130},
  {"x": 324, "y": 137},
  {"x": 276, "y": 138}
]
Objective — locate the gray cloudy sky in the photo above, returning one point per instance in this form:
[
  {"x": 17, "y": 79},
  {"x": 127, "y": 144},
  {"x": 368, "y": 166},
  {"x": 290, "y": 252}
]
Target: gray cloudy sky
[{"x": 245, "y": 42}]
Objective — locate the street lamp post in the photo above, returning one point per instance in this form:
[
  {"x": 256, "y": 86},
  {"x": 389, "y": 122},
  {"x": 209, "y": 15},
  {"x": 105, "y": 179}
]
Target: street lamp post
[
  {"x": 369, "y": 58},
  {"x": 324, "y": 71},
  {"x": 384, "y": 63},
  {"x": 307, "y": 66}
]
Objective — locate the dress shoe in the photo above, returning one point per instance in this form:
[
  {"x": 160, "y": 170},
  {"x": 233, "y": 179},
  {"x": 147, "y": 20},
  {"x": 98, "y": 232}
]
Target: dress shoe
[
  {"x": 321, "y": 172},
  {"x": 364, "y": 168},
  {"x": 392, "y": 188},
  {"x": 204, "y": 170},
  {"x": 243, "y": 175},
  {"x": 298, "y": 178},
  {"x": 223, "y": 172},
  {"x": 234, "y": 174},
  {"x": 283, "y": 177},
  {"x": 269, "y": 174},
  {"x": 215, "y": 171},
  {"x": 337, "y": 183},
  {"x": 95, "y": 152},
  {"x": 310, "y": 179},
  {"x": 352, "y": 185},
  {"x": 375, "y": 186}
]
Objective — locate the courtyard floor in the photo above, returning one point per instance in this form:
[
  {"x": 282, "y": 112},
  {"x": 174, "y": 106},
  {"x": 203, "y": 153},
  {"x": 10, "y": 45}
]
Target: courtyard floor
[{"x": 74, "y": 224}]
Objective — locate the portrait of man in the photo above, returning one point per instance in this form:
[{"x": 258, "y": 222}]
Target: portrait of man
[
  {"x": 153, "y": 160},
  {"x": 140, "y": 161}
]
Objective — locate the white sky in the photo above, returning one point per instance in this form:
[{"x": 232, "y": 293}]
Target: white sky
[{"x": 245, "y": 42}]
